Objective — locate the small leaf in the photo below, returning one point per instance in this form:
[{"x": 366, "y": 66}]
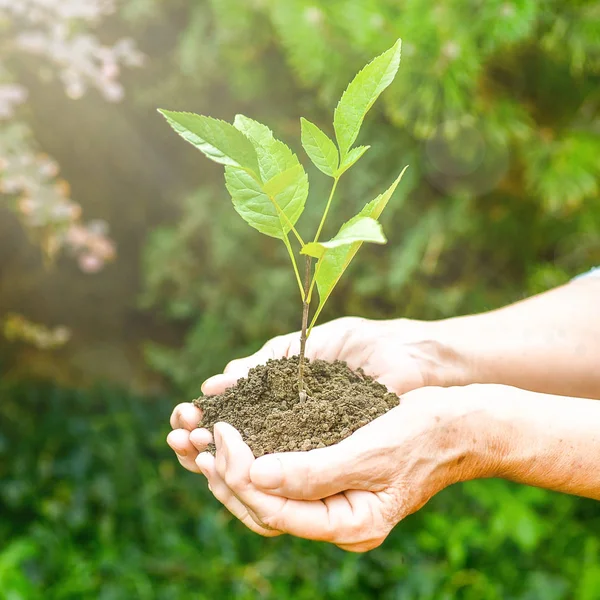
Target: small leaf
[
  {"x": 358, "y": 229},
  {"x": 274, "y": 156},
  {"x": 361, "y": 94},
  {"x": 335, "y": 261},
  {"x": 218, "y": 140},
  {"x": 320, "y": 149},
  {"x": 351, "y": 159},
  {"x": 272, "y": 211},
  {"x": 278, "y": 184}
]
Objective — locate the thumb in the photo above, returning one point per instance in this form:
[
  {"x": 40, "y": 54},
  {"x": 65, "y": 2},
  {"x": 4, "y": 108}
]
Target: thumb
[{"x": 309, "y": 475}]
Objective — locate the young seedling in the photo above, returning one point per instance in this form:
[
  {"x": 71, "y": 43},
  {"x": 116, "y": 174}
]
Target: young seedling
[{"x": 269, "y": 186}]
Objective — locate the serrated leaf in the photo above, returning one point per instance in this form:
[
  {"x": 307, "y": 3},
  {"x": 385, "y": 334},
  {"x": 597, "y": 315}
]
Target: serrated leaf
[
  {"x": 282, "y": 181},
  {"x": 359, "y": 229},
  {"x": 351, "y": 159},
  {"x": 271, "y": 208},
  {"x": 218, "y": 140},
  {"x": 320, "y": 149},
  {"x": 274, "y": 156},
  {"x": 361, "y": 94},
  {"x": 335, "y": 261},
  {"x": 255, "y": 131}
]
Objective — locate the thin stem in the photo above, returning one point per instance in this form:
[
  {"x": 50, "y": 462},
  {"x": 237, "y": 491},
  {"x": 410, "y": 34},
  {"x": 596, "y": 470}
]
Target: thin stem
[
  {"x": 321, "y": 225},
  {"x": 304, "y": 336},
  {"x": 288, "y": 246}
]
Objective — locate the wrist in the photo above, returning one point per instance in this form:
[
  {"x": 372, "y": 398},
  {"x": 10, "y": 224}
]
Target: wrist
[
  {"x": 479, "y": 426},
  {"x": 458, "y": 438}
]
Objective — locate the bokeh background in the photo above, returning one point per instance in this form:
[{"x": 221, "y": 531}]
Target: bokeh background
[{"x": 126, "y": 277}]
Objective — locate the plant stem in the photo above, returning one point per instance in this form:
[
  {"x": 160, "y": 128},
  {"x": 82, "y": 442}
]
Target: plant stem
[
  {"x": 335, "y": 182},
  {"x": 303, "y": 336}
]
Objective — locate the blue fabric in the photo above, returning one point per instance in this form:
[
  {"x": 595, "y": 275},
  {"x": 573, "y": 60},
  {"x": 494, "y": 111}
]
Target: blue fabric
[{"x": 595, "y": 272}]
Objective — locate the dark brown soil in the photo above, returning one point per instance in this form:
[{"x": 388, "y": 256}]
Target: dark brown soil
[{"x": 266, "y": 410}]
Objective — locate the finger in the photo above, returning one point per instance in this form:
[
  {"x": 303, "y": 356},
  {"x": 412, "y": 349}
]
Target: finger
[
  {"x": 185, "y": 416},
  {"x": 179, "y": 440},
  {"x": 311, "y": 475},
  {"x": 201, "y": 439},
  {"x": 206, "y": 464},
  {"x": 332, "y": 520}
]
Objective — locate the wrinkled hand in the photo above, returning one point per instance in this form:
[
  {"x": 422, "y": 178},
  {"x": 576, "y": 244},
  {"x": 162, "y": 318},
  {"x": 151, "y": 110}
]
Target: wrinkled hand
[{"x": 354, "y": 493}]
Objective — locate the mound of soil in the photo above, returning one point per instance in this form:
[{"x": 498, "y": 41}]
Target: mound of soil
[{"x": 266, "y": 410}]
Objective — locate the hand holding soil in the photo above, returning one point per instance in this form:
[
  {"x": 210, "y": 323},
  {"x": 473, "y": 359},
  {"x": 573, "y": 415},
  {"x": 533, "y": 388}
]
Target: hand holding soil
[
  {"x": 399, "y": 354},
  {"x": 514, "y": 402}
]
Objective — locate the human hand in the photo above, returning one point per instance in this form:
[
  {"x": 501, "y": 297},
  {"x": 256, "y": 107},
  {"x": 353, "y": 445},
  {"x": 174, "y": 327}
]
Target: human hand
[{"x": 354, "y": 493}]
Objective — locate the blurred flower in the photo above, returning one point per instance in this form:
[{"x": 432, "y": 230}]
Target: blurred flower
[{"x": 90, "y": 263}]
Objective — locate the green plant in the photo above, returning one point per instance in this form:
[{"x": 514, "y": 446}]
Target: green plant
[{"x": 269, "y": 187}]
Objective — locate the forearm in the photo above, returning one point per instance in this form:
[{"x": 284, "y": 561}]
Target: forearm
[
  {"x": 541, "y": 440},
  {"x": 548, "y": 343}
]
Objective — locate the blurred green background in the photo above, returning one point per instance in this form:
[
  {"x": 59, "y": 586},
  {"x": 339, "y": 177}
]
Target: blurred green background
[{"x": 123, "y": 289}]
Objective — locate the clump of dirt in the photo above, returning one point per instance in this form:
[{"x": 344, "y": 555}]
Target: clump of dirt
[{"x": 265, "y": 407}]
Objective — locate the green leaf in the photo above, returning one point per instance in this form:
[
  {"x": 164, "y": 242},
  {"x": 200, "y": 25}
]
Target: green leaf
[
  {"x": 351, "y": 158},
  {"x": 358, "y": 229},
  {"x": 335, "y": 261},
  {"x": 271, "y": 208},
  {"x": 274, "y": 156},
  {"x": 320, "y": 149},
  {"x": 281, "y": 182},
  {"x": 255, "y": 131},
  {"x": 275, "y": 206},
  {"x": 218, "y": 140},
  {"x": 361, "y": 94}
]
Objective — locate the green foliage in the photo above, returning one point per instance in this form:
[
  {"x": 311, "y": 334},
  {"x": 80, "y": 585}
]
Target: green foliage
[
  {"x": 361, "y": 94},
  {"x": 352, "y": 158},
  {"x": 217, "y": 140},
  {"x": 357, "y": 230},
  {"x": 271, "y": 197},
  {"x": 94, "y": 505},
  {"x": 320, "y": 148},
  {"x": 496, "y": 110},
  {"x": 274, "y": 207}
]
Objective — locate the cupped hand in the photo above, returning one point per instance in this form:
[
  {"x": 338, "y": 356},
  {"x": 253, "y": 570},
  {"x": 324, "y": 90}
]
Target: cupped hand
[{"x": 354, "y": 493}]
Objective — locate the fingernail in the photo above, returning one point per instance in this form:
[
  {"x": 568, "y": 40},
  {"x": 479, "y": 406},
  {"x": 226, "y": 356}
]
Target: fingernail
[
  {"x": 267, "y": 472},
  {"x": 181, "y": 453}
]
